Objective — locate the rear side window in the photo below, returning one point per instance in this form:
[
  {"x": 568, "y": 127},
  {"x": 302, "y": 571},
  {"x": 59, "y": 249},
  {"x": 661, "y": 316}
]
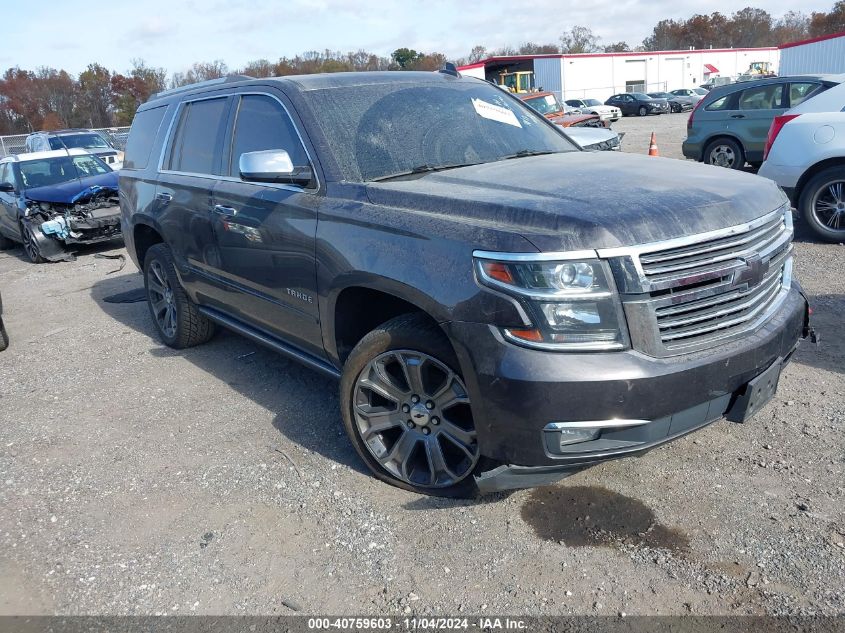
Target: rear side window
[
  {"x": 142, "y": 135},
  {"x": 198, "y": 136},
  {"x": 722, "y": 103},
  {"x": 799, "y": 92},
  {"x": 262, "y": 123},
  {"x": 762, "y": 98}
]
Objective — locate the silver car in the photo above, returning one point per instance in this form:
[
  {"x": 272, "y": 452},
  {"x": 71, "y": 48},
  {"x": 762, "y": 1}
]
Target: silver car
[{"x": 689, "y": 95}]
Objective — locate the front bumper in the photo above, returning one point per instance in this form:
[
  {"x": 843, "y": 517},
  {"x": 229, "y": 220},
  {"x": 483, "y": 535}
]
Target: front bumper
[{"x": 516, "y": 392}]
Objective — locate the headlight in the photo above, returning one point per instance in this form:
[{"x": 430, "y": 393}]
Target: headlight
[{"x": 573, "y": 303}]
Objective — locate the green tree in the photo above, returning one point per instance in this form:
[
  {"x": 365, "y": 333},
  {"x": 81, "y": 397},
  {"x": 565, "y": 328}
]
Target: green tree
[{"x": 404, "y": 57}]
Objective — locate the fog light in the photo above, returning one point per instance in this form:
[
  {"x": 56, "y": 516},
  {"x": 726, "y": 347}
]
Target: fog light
[{"x": 574, "y": 436}]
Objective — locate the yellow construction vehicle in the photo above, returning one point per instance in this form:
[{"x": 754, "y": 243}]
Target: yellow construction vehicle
[
  {"x": 520, "y": 82},
  {"x": 760, "y": 69}
]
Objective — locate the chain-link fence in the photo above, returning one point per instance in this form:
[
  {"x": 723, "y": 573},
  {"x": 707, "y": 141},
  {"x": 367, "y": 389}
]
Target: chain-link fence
[{"x": 16, "y": 143}]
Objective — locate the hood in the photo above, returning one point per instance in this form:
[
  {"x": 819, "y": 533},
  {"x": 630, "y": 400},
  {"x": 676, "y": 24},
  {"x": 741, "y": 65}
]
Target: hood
[
  {"x": 657, "y": 101},
  {"x": 587, "y": 200},
  {"x": 68, "y": 192}
]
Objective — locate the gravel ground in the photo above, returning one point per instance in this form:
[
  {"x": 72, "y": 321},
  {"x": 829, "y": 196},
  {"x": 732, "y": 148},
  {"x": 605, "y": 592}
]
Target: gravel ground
[{"x": 135, "y": 479}]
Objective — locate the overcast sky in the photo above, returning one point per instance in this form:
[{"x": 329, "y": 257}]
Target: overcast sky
[{"x": 173, "y": 34}]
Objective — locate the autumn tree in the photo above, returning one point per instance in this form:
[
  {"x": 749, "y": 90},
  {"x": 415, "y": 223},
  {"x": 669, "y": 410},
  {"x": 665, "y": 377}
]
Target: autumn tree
[
  {"x": 95, "y": 96},
  {"x": 579, "y": 39},
  {"x": 826, "y": 23}
]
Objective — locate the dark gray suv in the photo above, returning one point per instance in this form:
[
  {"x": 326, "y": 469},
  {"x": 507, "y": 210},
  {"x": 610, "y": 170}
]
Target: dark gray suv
[{"x": 496, "y": 318}]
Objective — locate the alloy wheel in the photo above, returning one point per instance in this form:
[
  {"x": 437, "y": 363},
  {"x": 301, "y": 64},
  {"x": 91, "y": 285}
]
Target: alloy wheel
[
  {"x": 161, "y": 298},
  {"x": 828, "y": 205},
  {"x": 722, "y": 156},
  {"x": 413, "y": 414},
  {"x": 29, "y": 244}
]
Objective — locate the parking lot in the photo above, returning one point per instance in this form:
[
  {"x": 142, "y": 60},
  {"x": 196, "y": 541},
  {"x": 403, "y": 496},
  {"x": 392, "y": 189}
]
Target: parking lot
[{"x": 137, "y": 479}]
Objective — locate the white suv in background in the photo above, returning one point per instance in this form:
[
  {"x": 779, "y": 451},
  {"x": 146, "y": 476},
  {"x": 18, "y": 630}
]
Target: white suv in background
[{"x": 805, "y": 155}]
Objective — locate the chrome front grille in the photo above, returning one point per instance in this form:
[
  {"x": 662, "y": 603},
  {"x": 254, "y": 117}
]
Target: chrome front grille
[
  {"x": 692, "y": 293},
  {"x": 675, "y": 264}
]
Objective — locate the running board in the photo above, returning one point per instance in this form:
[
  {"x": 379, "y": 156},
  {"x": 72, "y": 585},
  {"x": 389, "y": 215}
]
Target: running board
[{"x": 270, "y": 341}]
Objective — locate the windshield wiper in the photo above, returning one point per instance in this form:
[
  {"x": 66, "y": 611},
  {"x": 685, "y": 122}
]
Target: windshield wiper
[
  {"x": 529, "y": 152},
  {"x": 421, "y": 169}
]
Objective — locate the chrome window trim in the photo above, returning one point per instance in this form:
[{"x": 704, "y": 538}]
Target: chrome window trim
[{"x": 283, "y": 186}]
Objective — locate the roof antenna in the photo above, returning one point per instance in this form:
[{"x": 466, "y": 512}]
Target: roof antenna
[{"x": 450, "y": 69}]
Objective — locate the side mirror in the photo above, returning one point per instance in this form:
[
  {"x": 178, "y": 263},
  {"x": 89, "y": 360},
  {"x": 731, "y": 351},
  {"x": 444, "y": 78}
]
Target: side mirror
[
  {"x": 273, "y": 165},
  {"x": 7, "y": 187}
]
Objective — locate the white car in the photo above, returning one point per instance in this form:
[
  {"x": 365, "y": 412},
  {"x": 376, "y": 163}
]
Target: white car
[
  {"x": 594, "y": 106},
  {"x": 805, "y": 155},
  {"x": 595, "y": 138}
]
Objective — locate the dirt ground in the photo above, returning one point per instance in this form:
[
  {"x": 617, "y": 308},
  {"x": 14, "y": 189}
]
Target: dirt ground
[{"x": 135, "y": 479}]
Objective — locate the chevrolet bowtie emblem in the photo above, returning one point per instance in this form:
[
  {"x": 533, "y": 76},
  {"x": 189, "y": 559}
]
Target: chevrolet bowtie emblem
[{"x": 753, "y": 273}]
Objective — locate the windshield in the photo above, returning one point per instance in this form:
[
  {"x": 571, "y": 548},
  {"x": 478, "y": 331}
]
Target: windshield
[
  {"x": 639, "y": 96},
  {"x": 659, "y": 95},
  {"x": 547, "y": 104},
  {"x": 80, "y": 141},
  {"x": 593, "y": 102},
  {"x": 383, "y": 129},
  {"x": 55, "y": 171}
]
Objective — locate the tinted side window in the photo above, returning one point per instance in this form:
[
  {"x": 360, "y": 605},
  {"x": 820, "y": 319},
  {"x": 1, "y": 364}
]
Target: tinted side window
[
  {"x": 142, "y": 135},
  {"x": 197, "y": 137},
  {"x": 722, "y": 103},
  {"x": 762, "y": 98},
  {"x": 799, "y": 92},
  {"x": 262, "y": 123},
  {"x": 5, "y": 173}
]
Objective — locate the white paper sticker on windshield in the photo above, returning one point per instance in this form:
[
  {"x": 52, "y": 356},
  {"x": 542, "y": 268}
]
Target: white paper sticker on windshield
[
  {"x": 550, "y": 100},
  {"x": 495, "y": 113}
]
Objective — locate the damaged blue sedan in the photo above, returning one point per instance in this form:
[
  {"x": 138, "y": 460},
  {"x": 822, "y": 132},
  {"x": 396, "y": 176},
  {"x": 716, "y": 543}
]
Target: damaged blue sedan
[{"x": 53, "y": 201}]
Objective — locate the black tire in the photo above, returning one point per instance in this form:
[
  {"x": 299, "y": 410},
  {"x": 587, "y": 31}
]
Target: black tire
[
  {"x": 675, "y": 107},
  {"x": 643, "y": 111},
  {"x": 406, "y": 334},
  {"x": 724, "y": 152},
  {"x": 190, "y": 327},
  {"x": 30, "y": 246},
  {"x": 4, "y": 338},
  {"x": 822, "y": 204},
  {"x": 6, "y": 243}
]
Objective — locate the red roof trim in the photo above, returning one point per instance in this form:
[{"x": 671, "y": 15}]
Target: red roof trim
[
  {"x": 711, "y": 68},
  {"x": 813, "y": 40},
  {"x": 471, "y": 66},
  {"x": 519, "y": 58}
]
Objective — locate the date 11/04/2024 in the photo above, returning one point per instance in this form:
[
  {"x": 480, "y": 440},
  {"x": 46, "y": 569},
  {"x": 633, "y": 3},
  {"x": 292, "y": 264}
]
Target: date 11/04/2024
[{"x": 418, "y": 624}]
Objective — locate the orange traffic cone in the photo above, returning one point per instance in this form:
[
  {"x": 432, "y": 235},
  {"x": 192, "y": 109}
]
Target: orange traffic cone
[{"x": 652, "y": 146}]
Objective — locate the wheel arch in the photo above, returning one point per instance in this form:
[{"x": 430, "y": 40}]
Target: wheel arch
[
  {"x": 836, "y": 161},
  {"x": 144, "y": 235},
  {"x": 715, "y": 137},
  {"x": 355, "y": 309}
]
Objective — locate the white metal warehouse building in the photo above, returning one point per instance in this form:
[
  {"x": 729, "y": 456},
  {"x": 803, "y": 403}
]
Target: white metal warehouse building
[
  {"x": 824, "y": 54},
  {"x": 600, "y": 75}
]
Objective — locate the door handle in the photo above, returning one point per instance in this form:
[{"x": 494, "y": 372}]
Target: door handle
[
  {"x": 737, "y": 116},
  {"x": 164, "y": 197},
  {"x": 223, "y": 210}
]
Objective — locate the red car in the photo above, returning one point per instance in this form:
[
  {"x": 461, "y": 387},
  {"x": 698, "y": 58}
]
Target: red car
[{"x": 547, "y": 104}]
